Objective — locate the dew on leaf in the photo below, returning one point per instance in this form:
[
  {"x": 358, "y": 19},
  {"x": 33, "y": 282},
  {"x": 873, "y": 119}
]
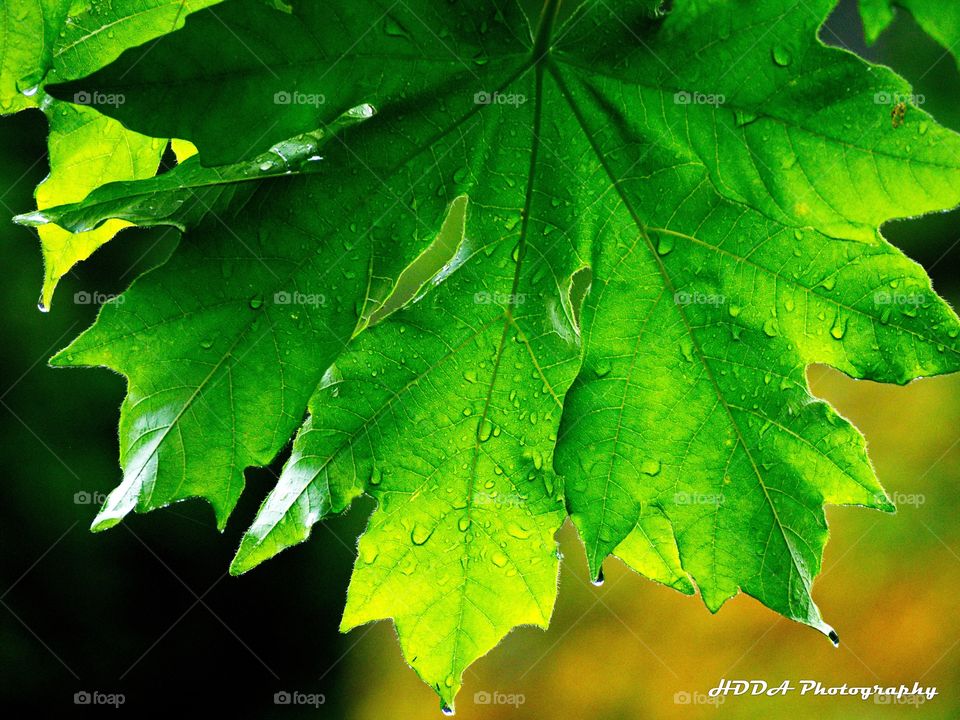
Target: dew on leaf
[
  {"x": 420, "y": 533},
  {"x": 781, "y": 56}
]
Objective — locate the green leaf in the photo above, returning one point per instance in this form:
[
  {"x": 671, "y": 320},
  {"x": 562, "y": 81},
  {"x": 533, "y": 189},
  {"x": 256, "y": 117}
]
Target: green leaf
[
  {"x": 211, "y": 349},
  {"x": 660, "y": 221},
  {"x": 30, "y": 30},
  {"x": 938, "y": 19},
  {"x": 87, "y": 149},
  {"x": 189, "y": 192}
]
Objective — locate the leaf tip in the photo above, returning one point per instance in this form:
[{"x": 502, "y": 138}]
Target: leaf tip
[
  {"x": 244, "y": 560},
  {"x": 104, "y": 522}
]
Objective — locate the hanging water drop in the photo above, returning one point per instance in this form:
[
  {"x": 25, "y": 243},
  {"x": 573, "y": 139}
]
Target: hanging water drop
[
  {"x": 839, "y": 328},
  {"x": 598, "y": 580},
  {"x": 665, "y": 244}
]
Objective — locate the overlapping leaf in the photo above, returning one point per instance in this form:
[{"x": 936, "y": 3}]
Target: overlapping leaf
[
  {"x": 44, "y": 42},
  {"x": 717, "y": 173},
  {"x": 940, "y": 20}
]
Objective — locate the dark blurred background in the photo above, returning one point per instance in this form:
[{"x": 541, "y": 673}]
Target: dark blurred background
[{"x": 147, "y": 609}]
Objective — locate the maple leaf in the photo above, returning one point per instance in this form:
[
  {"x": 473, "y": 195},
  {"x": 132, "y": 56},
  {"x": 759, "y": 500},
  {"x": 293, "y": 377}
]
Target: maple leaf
[{"x": 659, "y": 221}]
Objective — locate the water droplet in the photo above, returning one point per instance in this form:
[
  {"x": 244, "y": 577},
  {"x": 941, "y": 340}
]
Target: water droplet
[
  {"x": 650, "y": 467},
  {"x": 518, "y": 531},
  {"x": 392, "y": 28},
  {"x": 771, "y": 328},
  {"x": 362, "y": 112},
  {"x": 256, "y": 302},
  {"x": 839, "y": 328},
  {"x": 368, "y": 552},
  {"x": 734, "y": 310},
  {"x": 686, "y": 349},
  {"x": 834, "y": 638},
  {"x": 420, "y": 534},
  {"x": 499, "y": 559},
  {"x": 665, "y": 244},
  {"x": 744, "y": 117},
  {"x": 463, "y": 523},
  {"x": 602, "y": 368},
  {"x": 598, "y": 580},
  {"x": 446, "y": 709},
  {"x": 485, "y": 430},
  {"x": 781, "y": 56},
  {"x": 42, "y": 306}
]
